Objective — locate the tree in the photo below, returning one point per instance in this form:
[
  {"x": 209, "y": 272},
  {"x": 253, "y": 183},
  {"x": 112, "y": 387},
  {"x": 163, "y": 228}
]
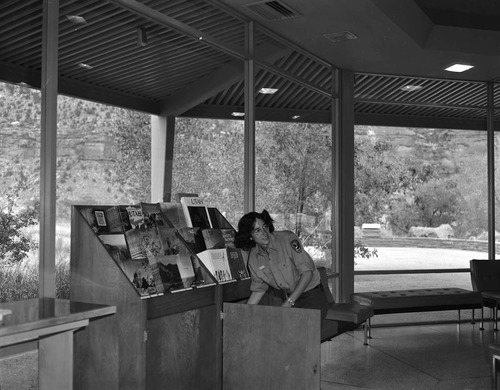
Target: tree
[
  {"x": 14, "y": 245},
  {"x": 132, "y": 133},
  {"x": 294, "y": 171}
]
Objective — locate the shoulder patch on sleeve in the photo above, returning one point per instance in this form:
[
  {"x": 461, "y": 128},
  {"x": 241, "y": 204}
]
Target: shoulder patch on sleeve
[{"x": 296, "y": 246}]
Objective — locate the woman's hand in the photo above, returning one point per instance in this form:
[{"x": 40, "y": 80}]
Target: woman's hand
[{"x": 286, "y": 304}]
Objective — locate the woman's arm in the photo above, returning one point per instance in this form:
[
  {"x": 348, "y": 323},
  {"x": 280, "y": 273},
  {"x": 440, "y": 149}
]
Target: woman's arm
[
  {"x": 304, "y": 280},
  {"x": 255, "y": 297}
]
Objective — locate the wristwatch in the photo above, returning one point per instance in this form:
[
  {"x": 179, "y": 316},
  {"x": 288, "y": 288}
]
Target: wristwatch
[{"x": 291, "y": 301}]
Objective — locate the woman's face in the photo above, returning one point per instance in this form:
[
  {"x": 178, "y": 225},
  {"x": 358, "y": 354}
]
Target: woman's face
[{"x": 260, "y": 233}]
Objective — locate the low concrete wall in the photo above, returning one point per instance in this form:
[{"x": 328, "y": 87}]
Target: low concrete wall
[{"x": 414, "y": 242}]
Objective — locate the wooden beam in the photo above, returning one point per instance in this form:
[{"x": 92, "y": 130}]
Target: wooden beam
[
  {"x": 217, "y": 81},
  {"x": 17, "y": 74}
]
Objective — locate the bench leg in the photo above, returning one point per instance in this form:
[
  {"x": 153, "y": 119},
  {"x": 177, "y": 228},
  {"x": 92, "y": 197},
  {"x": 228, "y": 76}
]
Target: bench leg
[
  {"x": 365, "y": 332},
  {"x": 482, "y": 318},
  {"x": 494, "y": 373},
  {"x": 495, "y": 314},
  {"x": 473, "y": 318},
  {"x": 459, "y": 316},
  {"x": 369, "y": 322}
]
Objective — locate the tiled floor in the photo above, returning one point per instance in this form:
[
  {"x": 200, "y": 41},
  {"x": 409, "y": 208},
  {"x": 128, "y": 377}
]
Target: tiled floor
[{"x": 442, "y": 356}]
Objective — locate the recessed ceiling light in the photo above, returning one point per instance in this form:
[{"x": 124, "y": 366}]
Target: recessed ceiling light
[
  {"x": 458, "y": 68},
  {"x": 410, "y": 88},
  {"x": 268, "y": 91},
  {"x": 340, "y": 36},
  {"x": 85, "y": 66},
  {"x": 235, "y": 113},
  {"x": 76, "y": 19}
]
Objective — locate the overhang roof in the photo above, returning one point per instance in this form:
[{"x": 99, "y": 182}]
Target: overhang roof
[{"x": 186, "y": 58}]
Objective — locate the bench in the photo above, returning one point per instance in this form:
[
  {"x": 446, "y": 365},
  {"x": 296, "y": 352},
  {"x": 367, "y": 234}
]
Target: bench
[{"x": 420, "y": 300}]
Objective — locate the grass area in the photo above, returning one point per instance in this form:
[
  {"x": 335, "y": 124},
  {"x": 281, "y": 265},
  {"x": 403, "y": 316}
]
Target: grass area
[{"x": 415, "y": 259}]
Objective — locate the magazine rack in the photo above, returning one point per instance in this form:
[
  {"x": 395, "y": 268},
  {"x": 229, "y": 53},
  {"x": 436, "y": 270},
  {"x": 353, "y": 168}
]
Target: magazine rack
[
  {"x": 167, "y": 339},
  {"x": 187, "y": 340}
]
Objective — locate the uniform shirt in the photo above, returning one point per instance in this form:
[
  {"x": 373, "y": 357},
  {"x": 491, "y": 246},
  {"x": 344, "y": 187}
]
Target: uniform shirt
[{"x": 281, "y": 266}]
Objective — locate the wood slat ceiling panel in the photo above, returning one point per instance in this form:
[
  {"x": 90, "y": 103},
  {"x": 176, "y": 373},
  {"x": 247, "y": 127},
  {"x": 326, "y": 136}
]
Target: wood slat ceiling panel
[
  {"x": 108, "y": 42},
  {"x": 423, "y": 111},
  {"x": 307, "y": 69},
  {"x": 20, "y": 31},
  {"x": 289, "y": 95},
  {"x": 391, "y": 88},
  {"x": 204, "y": 16}
]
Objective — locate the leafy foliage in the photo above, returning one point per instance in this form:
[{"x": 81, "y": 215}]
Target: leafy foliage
[
  {"x": 132, "y": 134},
  {"x": 14, "y": 245}
]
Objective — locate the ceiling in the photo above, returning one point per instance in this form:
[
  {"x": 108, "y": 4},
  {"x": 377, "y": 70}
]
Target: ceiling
[{"x": 186, "y": 58}]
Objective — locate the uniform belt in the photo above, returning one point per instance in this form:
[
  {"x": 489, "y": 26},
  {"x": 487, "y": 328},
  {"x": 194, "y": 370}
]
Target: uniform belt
[
  {"x": 318, "y": 287},
  {"x": 283, "y": 294}
]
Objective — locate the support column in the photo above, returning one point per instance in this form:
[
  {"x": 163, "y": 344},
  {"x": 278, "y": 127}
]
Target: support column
[
  {"x": 162, "y": 157},
  {"x": 48, "y": 151},
  {"x": 343, "y": 179},
  {"x": 249, "y": 161},
  {"x": 490, "y": 128}
]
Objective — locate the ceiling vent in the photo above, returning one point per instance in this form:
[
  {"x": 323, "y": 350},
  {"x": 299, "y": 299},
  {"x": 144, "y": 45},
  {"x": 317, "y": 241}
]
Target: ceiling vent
[
  {"x": 340, "y": 36},
  {"x": 272, "y": 10}
]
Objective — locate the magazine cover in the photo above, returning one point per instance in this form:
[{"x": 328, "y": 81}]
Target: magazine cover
[
  {"x": 143, "y": 243},
  {"x": 236, "y": 263},
  {"x": 195, "y": 212},
  {"x": 152, "y": 215},
  {"x": 217, "y": 263},
  {"x": 96, "y": 218},
  {"x": 193, "y": 238},
  {"x": 213, "y": 238},
  {"x": 174, "y": 215},
  {"x": 174, "y": 262},
  {"x": 135, "y": 216}
]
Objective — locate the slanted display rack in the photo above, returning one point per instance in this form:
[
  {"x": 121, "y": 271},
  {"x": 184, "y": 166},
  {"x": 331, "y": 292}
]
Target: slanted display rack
[{"x": 156, "y": 337}]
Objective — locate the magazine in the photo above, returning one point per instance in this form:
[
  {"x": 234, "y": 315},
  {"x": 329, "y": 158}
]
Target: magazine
[
  {"x": 237, "y": 263},
  {"x": 195, "y": 212},
  {"x": 174, "y": 215},
  {"x": 217, "y": 263}
]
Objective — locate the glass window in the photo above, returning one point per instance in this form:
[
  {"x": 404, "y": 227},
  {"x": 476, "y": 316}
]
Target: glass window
[
  {"x": 421, "y": 204},
  {"x": 20, "y": 191}
]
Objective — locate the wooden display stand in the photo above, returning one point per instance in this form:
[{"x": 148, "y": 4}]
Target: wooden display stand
[
  {"x": 162, "y": 342},
  {"x": 175, "y": 340}
]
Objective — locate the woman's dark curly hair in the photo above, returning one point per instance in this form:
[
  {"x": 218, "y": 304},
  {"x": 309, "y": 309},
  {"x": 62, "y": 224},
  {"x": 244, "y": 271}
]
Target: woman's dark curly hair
[{"x": 246, "y": 225}]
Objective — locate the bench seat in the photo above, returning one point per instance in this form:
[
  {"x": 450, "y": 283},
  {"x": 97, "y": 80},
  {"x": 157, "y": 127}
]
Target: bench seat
[{"x": 417, "y": 300}]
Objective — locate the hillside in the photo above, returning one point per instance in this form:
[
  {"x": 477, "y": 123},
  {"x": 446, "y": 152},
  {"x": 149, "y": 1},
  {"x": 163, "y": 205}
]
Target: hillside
[
  {"x": 85, "y": 149},
  {"x": 87, "y": 152}
]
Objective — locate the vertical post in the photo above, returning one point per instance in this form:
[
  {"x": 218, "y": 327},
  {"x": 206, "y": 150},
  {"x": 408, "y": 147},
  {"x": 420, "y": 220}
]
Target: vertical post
[
  {"x": 48, "y": 152},
  {"x": 249, "y": 160},
  {"x": 344, "y": 176},
  {"x": 335, "y": 175},
  {"x": 490, "y": 128},
  {"x": 162, "y": 157}
]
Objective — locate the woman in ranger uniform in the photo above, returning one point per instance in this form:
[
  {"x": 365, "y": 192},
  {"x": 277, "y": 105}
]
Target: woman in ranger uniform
[{"x": 279, "y": 264}]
